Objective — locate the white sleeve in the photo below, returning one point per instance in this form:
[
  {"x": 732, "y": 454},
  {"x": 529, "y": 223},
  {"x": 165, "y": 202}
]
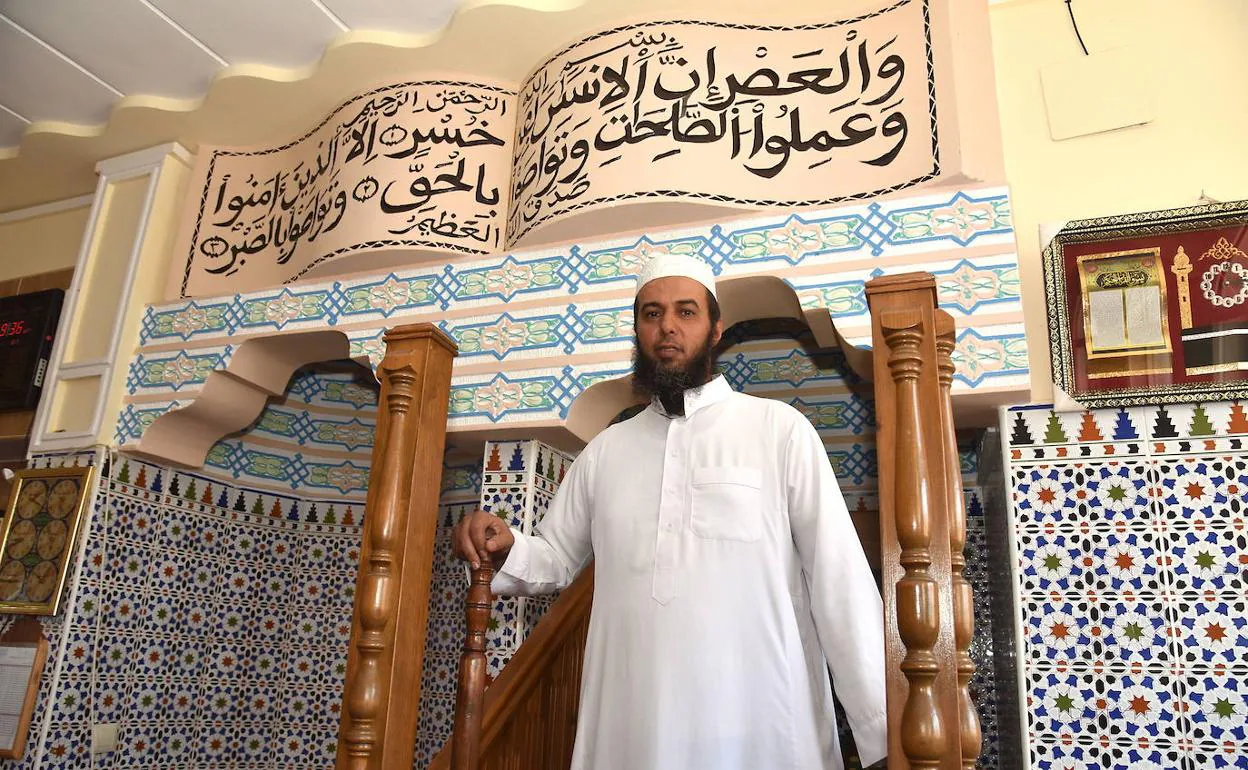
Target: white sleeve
[
  {"x": 848, "y": 611},
  {"x": 549, "y": 560}
]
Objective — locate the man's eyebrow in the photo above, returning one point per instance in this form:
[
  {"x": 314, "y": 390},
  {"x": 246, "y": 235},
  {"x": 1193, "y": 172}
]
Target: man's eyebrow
[{"x": 679, "y": 302}]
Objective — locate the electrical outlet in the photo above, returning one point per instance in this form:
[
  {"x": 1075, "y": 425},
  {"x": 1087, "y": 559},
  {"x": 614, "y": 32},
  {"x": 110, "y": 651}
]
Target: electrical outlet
[{"x": 103, "y": 738}]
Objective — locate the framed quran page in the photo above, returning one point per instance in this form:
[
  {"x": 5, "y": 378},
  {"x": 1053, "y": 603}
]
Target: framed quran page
[{"x": 1150, "y": 308}]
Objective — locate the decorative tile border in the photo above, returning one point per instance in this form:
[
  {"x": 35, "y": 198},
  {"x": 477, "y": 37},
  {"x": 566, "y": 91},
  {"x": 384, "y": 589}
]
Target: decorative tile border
[
  {"x": 915, "y": 225},
  {"x": 543, "y": 395},
  {"x": 536, "y": 380}
]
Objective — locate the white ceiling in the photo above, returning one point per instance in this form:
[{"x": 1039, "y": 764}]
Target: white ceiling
[{"x": 71, "y": 60}]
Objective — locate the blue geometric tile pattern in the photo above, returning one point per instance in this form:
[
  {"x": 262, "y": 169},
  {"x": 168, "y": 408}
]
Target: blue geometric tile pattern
[
  {"x": 1132, "y": 542},
  {"x": 466, "y": 298}
]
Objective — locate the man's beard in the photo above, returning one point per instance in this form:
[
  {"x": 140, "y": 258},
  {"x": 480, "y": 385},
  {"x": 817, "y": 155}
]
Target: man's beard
[{"x": 669, "y": 383}]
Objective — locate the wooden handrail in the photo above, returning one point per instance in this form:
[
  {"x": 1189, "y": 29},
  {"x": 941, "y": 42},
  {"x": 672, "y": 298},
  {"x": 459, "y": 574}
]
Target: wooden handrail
[
  {"x": 971, "y": 739},
  {"x": 473, "y": 676},
  {"x": 527, "y": 717}
]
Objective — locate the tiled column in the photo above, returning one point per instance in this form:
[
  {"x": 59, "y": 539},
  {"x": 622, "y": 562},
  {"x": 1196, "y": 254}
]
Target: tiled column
[
  {"x": 517, "y": 482},
  {"x": 1131, "y": 543}
]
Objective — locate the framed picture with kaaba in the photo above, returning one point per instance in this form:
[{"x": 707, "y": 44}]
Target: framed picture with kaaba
[
  {"x": 1150, "y": 308},
  {"x": 37, "y": 537}
]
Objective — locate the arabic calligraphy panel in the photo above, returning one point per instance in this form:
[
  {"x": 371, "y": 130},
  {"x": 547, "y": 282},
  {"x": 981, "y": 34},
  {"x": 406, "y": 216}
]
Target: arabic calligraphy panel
[
  {"x": 732, "y": 114},
  {"x": 413, "y": 165}
]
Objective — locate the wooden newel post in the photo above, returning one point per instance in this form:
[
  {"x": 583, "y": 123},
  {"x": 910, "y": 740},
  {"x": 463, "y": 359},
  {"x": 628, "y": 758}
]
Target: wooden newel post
[
  {"x": 963, "y": 598},
  {"x": 470, "y": 700},
  {"x": 918, "y": 595},
  {"x": 382, "y": 691},
  {"x": 914, "y": 532}
]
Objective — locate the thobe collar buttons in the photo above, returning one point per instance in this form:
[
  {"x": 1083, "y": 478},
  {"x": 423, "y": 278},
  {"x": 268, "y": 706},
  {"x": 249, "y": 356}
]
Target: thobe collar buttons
[
  {"x": 674, "y": 493},
  {"x": 698, "y": 398}
]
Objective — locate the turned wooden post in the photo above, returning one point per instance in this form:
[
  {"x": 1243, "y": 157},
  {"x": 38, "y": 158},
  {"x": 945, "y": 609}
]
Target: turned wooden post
[
  {"x": 382, "y": 691},
  {"x": 918, "y": 595},
  {"x": 915, "y": 565},
  {"x": 963, "y": 598},
  {"x": 470, "y": 698}
]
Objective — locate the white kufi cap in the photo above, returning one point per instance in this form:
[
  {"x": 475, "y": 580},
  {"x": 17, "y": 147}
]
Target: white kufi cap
[{"x": 668, "y": 265}]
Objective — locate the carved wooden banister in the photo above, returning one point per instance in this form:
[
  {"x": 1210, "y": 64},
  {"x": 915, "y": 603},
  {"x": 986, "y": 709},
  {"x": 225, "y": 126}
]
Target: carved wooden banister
[
  {"x": 386, "y": 653},
  {"x": 918, "y": 595},
  {"x": 527, "y": 717},
  {"x": 914, "y": 527},
  {"x": 466, "y": 737},
  {"x": 963, "y": 599}
]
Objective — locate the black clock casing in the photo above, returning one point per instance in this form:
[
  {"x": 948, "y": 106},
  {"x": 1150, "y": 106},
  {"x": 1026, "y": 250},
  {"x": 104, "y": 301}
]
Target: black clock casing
[{"x": 27, "y": 328}]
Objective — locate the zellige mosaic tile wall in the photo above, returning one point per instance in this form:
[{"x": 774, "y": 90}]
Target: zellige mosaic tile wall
[{"x": 1132, "y": 546}]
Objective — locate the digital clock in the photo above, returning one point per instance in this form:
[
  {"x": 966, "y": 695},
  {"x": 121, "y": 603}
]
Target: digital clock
[
  {"x": 27, "y": 327},
  {"x": 15, "y": 328}
]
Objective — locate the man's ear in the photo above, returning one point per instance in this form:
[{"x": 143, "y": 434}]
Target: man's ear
[{"x": 719, "y": 333}]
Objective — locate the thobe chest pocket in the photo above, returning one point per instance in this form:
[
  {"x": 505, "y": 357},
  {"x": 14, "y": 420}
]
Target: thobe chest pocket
[{"x": 726, "y": 503}]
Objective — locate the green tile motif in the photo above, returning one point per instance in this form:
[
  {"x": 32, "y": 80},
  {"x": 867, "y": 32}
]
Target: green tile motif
[
  {"x": 608, "y": 324},
  {"x": 285, "y": 308},
  {"x": 500, "y": 396},
  {"x": 843, "y": 299},
  {"x": 371, "y": 348},
  {"x": 962, "y": 218},
  {"x": 974, "y": 357},
  {"x": 827, "y": 416},
  {"x": 266, "y": 466},
  {"x": 593, "y": 378},
  {"x": 627, "y": 260},
  {"x": 968, "y": 286},
  {"x": 179, "y": 370},
  {"x": 390, "y": 295},
  {"x": 352, "y": 435},
  {"x": 507, "y": 334},
  {"x": 794, "y": 369},
  {"x": 349, "y": 393},
  {"x": 454, "y": 479},
  {"x": 278, "y": 423},
  {"x": 794, "y": 239},
  {"x": 191, "y": 319},
  {"x": 509, "y": 278},
  {"x": 218, "y": 456},
  {"x": 344, "y": 478}
]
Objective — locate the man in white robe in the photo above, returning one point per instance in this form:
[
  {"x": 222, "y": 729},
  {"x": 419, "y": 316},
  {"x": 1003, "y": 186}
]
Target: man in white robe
[{"x": 728, "y": 573}]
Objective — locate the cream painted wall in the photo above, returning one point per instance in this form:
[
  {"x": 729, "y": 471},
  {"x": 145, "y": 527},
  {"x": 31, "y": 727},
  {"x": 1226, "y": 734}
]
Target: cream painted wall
[
  {"x": 43, "y": 243},
  {"x": 1197, "y": 140}
]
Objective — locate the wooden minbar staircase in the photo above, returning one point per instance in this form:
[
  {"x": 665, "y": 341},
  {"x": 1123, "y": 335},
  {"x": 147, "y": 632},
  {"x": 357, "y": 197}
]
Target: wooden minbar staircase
[{"x": 526, "y": 718}]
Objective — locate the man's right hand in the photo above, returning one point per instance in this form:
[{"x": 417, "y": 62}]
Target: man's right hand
[{"x": 482, "y": 537}]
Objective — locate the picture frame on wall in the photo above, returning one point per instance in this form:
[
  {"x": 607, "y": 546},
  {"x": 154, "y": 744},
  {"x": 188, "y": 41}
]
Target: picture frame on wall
[
  {"x": 1150, "y": 308},
  {"x": 37, "y": 537}
]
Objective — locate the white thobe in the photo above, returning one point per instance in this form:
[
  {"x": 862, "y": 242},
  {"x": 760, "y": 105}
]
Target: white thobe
[{"x": 727, "y": 571}]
